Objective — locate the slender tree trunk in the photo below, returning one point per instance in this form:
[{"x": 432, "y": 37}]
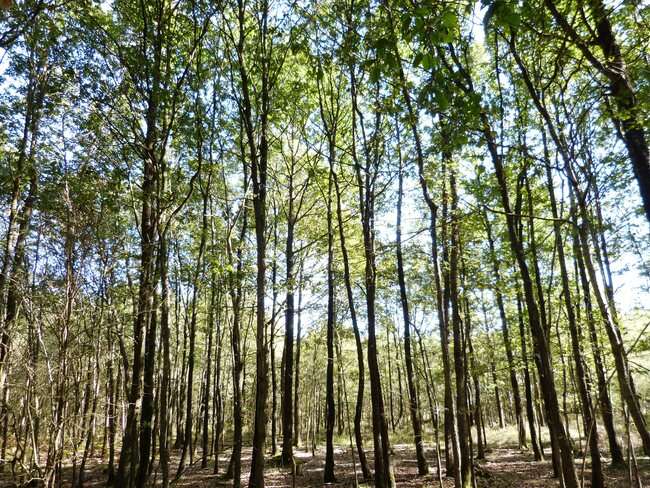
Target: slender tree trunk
[
  {"x": 164, "y": 432},
  {"x": 235, "y": 283},
  {"x": 521, "y": 428},
  {"x": 604, "y": 400},
  {"x": 53, "y": 470},
  {"x": 478, "y": 410},
  {"x": 296, "y": 401},
  {"x": 542, "y": 346},
  {"x": 111, "y": 412},
  {"x": 187, "y": 448},
  {"x": 390, "y": 381},
  {"x": 205, "y": 441},
  {"x": 384, "y": 476},
  {"x": 146, "y": 417},
  {"x": 328, "y": 476},
  {"x": 497, "y": 393},
  {"x": 358, "y": 411},
  {"x": 459, "y": 350},
  {"x": 258, "y": 162},
  {"x": 287, "y": 391},
  {"x": 414, "y": 406},
  {"x": 589, "y": 421}
]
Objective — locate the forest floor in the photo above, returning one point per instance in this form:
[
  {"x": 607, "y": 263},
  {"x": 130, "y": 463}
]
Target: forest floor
[{"x": 503, "y": 467}]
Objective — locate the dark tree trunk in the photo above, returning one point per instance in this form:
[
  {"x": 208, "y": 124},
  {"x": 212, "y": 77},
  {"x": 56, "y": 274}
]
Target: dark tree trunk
[
  {"x": 365, "y": 175},
  {"x": 414, "y": 406},
  {"x": 604, "y": 400},
  {"x": 478, "y": 410},
  {"x": 328, "y": 476},
  {"x": 542, "y": 346},
  {"x": 287, "y": 395},
  {"x": 459, "y": 350},
  {"x": 235, "y": 283},
  {"x": 165, "y": 416},
  {"x": 128, "y": 454},
  {"x": 358, "y": 411},
  {"x": 258, "y": 153},
  {"x": 187, "y": 447},
  {"x": 296, "y": 402},
  {"x": 584, "y": 389},
  {"x": 205, "y": 440},
  {"x": 521, "y": 427},
  {"x": 146, "y": 416}
]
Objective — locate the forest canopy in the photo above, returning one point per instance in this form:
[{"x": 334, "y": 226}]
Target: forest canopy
[{"x": 334, "y": 241}]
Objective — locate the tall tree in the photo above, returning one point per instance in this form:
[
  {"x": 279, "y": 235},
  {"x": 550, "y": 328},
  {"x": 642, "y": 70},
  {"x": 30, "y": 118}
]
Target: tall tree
[{"x": 414, "y": 406}]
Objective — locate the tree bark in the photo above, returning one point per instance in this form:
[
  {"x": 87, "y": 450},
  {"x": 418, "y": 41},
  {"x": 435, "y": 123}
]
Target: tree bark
[
  {"x": 588, "y": 417},
  {"x": 521, "y": 427},
  {"x": 328, "y": 476},
  {"x": 414, "y": 407},
  {"x": 358, "y": 411}
]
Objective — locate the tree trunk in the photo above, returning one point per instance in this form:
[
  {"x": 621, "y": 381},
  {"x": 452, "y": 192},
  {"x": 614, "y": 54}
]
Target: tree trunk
[
  {"x": 328, "y": 476},
  {"x": 235, "y": 283},
  {"x": 384, "y": 476},
  {"x": 478, "y": 411},
  {"x": 462, "y": 414},
  {"x": 604, "y": 400},
  {"x": 521, "y": 427},
  {"x": 205, "y": 441},
  {"x": 187, "y": 448},
  {"x": 296, "y": 402},
  {"x": 414, "y": 406},
  {"x": 542, "y": 346},
  {"x": 287, "y": 392},
  {"x": 358, "y": 411},
  {"x": 588, "y": 417}
]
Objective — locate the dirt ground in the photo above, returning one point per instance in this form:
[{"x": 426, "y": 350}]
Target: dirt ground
[{"x": 503, "y": 468}]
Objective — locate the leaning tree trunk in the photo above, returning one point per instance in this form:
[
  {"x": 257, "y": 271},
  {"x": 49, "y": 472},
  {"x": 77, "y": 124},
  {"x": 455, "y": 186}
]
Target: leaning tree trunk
[
  {"x": 588, "y": 417},
  {"x": 608, "y": 313},
  {"x": 412, "y": 121},
  {"x": 542, "y": 346},
  {"x": 384, "y": 476},
  {"x": 604, "y": 400},
  {"x": 416, "y": 416},
  {"x": 358, "y": 411},
  {"x": 196, "y": 285}
]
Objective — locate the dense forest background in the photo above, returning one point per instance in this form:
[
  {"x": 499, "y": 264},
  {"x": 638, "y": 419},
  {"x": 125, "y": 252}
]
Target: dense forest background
[{"x": 385, "y": 239}]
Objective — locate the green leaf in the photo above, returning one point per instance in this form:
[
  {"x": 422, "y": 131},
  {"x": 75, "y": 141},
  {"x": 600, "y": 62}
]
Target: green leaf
[
  {"x": 447, "y": 37},
  {"x": 381, "y": 44},
  {"x": 427, "y": 61},
  {"x": 390, "y": 60},
  {"x": 514, "y": 19},
  {"x": 449, "y": 20},
  {"x": 375, "y": 74},
  {"x": 441, "y": 100}
]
